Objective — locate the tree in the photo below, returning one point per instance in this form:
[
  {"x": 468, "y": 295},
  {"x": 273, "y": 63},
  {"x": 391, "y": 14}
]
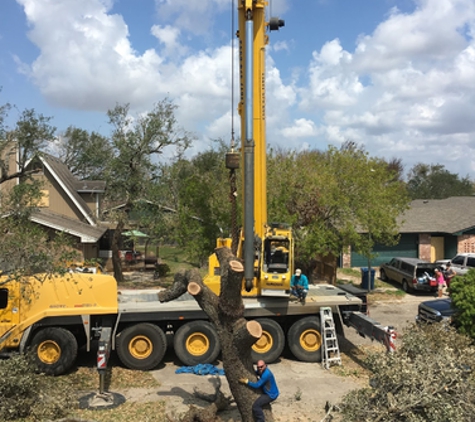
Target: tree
[
  {"x": 462, "y": 292},
  {"x": 236, "y": 335},
  {"x": 136, "y": 145},
  {"x": 31, "y": 134},
  {"x": 335, "y": 199},
  {"x": 429, "y": 378},
  {"x": 196, "y": 188},
  {"x": 85, "y": 154},
  {"x": 435, "y": 182},
  {"x": 25, "y": 247}
]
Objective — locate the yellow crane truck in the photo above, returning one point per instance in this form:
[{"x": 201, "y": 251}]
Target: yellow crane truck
[{"x": 55, "y": 316}]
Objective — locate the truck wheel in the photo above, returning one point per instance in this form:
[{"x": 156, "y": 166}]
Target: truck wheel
[
  {"x": 405, "y": 286},
  {"x": 269, "y": 347},
  {"x": 382, "y": 275},
  {"x": 54, "y": 350},
  {"x": 141, "y": 346},
  {"x": 305, "y": 340},
  {"x": 196, "y": 342}
]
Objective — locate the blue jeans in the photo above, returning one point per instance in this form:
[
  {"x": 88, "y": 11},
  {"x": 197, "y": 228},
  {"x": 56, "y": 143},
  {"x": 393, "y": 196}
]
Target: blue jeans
[
  {"x": 300, "y": 293},
  {"x": 257, "y": 406}
]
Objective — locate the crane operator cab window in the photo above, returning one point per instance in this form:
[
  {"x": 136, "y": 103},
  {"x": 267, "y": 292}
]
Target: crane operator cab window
[{"x": 276, "y": 255}]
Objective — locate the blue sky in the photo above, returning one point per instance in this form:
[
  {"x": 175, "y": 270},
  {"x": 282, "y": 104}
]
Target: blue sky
[{"x": 397, "y": 76}]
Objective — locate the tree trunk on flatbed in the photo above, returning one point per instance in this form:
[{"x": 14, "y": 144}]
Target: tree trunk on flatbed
[{"x": 236, "y": 334}]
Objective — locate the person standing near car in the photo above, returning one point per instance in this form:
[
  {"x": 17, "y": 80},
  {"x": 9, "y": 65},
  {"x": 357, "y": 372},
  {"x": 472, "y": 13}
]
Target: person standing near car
[
  {"x": 441, "y": 286},
  {"x": 449, "y": 273}
]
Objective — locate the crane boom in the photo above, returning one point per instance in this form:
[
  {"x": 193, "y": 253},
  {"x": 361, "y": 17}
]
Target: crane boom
[{"x": 266, "y": 248}]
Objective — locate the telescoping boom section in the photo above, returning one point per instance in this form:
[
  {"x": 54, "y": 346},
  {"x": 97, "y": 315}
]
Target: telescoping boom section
[{"x": 266, "y": 248}]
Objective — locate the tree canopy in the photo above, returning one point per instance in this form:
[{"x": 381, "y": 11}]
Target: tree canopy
[
  {"x": 136, "y": 144},
  {"x": 434, "y": 181},
  {"x": 334, "y": 199},
  {"x": 198, "y": 189},
  {"x": 85, "y": 154}
]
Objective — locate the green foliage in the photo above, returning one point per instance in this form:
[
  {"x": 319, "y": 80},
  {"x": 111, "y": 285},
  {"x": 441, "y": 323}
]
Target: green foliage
[
  {"x": 162, "y": 270},
  {"x": 131, "y": 173},
  {"x": 85, "y": 154},
  {"x": 25, "y": 393},
  {"x": 429, "y": 378},
  {"x": 31, "y": 134},
  {"x": 435, "y": 182},
  {"x": 198, "y": 189},
  {"x": 335, "y": 198},
  {"x": 462, "y": 292}
]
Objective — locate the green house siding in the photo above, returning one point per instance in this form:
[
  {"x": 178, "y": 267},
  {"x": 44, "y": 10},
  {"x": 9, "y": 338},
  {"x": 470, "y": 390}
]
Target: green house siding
[
  {"x": 450, "y": 246},
  {"x": 407, "y": 247}
]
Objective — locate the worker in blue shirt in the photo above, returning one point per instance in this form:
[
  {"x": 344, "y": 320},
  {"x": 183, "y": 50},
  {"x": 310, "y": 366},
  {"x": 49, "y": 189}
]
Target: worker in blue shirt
[
  {"x": 266, "y": 381},
  {"x": 299, "y": 285}
]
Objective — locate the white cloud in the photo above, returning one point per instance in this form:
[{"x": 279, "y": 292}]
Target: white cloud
[
  {"x": 193, "y": 16},
  {"x": 86, "y": 60},
  {"x": 169, "y": 37},
  {"x": 302, "y": 128},
  {"x": 406, "y": 88}
]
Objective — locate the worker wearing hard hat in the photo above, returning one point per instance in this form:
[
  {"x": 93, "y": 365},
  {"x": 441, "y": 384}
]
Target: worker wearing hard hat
[{"x": 299, "y": 285}]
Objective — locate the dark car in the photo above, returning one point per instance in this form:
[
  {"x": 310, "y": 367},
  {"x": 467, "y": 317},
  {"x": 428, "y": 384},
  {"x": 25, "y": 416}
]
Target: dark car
[
  {"x": 435, "y": 311},
  {"x": 410, "y": 273}
]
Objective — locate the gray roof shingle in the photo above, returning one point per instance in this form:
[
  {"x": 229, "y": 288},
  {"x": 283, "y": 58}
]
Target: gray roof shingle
[{"x": 452, "y": 215}]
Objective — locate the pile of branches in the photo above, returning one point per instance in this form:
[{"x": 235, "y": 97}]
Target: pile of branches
[
  {"x": 429, "y": 378},
  {"x": 27, "y": 394}
]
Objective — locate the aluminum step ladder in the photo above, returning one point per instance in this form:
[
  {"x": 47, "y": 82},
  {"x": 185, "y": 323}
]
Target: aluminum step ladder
[{"x": 331, "y": 350}]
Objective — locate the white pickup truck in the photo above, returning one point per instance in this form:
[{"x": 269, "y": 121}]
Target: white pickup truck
[{"x": 461, "y": 262}]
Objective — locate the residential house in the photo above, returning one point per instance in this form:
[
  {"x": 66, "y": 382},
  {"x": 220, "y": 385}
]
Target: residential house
[
  {"x": 430, "y": 229},
  {"x": 68, "y": 205}
]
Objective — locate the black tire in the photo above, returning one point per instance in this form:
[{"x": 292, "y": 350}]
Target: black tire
[
  {"x": 305, "y": 340},
  {"x": 405, "y": 286},
  {"x": 141, "y": 346},
  {"x": 271, "y": 344},
  {"x": 196, "y": 342},
  {"x": 382, "y": 275},
  {"x": 54, "y": 350}
]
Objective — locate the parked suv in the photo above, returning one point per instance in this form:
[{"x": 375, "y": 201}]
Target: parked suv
[
  {"x": 461, "y": 262},
  {"x": 435, "y": 311},
  {"x": 411, "y": 273}
]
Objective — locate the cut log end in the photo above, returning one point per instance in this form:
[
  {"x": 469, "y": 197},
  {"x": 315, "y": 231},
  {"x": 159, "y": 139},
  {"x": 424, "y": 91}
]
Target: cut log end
[
  {"x": 236, "y": 266},
  {"x": 194, "y": 288},
  {"x": 254, "y": 329}
]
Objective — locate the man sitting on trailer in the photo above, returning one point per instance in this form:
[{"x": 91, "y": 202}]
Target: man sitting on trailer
[{"x": 299, "y": 285}]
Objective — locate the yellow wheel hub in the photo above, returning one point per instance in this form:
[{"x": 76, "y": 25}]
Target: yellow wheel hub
[
  {"x": 310, "y": 340},
  {"x": 49, "y": 352},
  {"x": 264, "y": 344},
  {"x": 140, "y": 347},
  {"x": 197, "y": 344}
]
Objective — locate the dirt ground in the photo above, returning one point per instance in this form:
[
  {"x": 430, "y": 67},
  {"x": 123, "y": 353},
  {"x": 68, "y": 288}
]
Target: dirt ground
[{"x": 305, "y": 387}]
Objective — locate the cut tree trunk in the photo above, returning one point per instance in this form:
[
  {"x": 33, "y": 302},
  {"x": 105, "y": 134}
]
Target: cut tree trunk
[{"x": 236, "y": 334}]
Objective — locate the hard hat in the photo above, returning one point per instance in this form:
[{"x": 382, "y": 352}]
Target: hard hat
[{"x": 298, "y": 271}]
